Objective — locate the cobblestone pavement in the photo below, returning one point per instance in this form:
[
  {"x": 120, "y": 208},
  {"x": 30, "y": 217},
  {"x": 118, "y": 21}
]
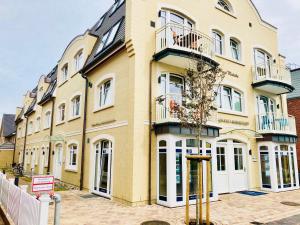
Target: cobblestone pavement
[
  {"x": 231, "y": 209},
  {"x": 288, "y": 221}
]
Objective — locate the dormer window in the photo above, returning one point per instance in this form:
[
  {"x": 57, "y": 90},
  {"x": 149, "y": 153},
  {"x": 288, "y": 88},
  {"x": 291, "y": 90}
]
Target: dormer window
[
  {"x": 116, "y": 6},
  {"x": 225, "y": 5},
  {"x": 108, "y": 37},
  {"x": 100, "y": 22}
]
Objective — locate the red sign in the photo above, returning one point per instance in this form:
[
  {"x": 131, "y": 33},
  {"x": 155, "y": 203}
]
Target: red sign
[{"x": 42, "y": 184}]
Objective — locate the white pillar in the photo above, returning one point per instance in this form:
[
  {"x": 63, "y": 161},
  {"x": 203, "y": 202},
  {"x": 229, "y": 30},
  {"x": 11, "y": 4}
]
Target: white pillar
[
  {"x": 24, "y": 187},
  {"x": 44, "y": 208}
]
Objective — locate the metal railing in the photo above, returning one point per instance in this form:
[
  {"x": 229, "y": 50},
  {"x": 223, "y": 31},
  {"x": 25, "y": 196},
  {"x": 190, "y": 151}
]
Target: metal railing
[
  {"x": 179, "y": 37},
  {"x": 165, "y": 109},
  {"x": 271, "y": 122},
  {"x": 271, "y": 72}
]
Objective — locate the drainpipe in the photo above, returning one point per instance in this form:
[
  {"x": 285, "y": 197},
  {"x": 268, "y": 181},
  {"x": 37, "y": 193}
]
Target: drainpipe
[
  {"x": 25, "y": 139},
  {"x": 51, "y": 132},
  {"x": 83, "y": 130},
  {"x": 15, "y": 142},
  {"x": 150, "y": 134}
]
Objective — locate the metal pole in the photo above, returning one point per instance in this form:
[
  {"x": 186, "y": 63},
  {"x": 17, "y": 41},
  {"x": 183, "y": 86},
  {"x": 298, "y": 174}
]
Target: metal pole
[
  {"x": 57, "y": 199},
  {"x": 187, "y": 204},
  {"x": 207, "y": 192},
  {"x": 200, "y": 191}
]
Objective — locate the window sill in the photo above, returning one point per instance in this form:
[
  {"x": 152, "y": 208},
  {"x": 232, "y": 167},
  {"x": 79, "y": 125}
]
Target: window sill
[
  {"x": 103, "y": 108},
  {"x": 74, "y": 118},
  {"x": 72, "y": 170},
  {"x": 242, "y": 114},
  {"x": 59, "y": 123},
  {"x": 226, "y": 12},
  {"x": 230, "y": 59},
  {"x": 46, "y": 128},
  {"x": 73, "y": 75}
]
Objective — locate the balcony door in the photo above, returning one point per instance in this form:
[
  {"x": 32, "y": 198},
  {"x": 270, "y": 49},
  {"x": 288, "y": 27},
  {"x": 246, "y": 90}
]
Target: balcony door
[
  {"x": 262, "y": 64},
  {"x": 266, "y": 112},
  {"x": 171, "y": 90},
  {"x": 102, "y": 168}
]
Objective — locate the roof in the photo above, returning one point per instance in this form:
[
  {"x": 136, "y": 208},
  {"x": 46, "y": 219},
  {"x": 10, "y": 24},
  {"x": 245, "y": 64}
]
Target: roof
[
  {"x": 8, "y": 126},
  {"x": 295, "y": 76},
  {"x": 51, "y": 88},
  {"x": 30, "y": 108},
  {"x": 7, "y": 145},
  {"x": 106, "y": 22},
  {"x": 19, "y": 117}
]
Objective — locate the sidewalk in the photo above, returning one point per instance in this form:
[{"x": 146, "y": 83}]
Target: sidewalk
[{"x": 229, "y": 210}]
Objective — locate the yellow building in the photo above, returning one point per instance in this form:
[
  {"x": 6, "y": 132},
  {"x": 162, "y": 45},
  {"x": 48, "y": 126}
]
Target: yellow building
[{"x": 113, "y": 132}]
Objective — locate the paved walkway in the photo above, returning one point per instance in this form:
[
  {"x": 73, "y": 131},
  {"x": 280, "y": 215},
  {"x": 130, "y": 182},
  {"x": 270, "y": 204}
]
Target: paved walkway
[
  {"x": 230, "y": 209},
  {"x": 288, "y": 221}
]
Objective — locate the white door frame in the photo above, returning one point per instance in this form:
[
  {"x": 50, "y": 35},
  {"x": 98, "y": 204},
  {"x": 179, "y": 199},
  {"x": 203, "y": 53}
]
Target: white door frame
[{"x": 55, "y": 160}]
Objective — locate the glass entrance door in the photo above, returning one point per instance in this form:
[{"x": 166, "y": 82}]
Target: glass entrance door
[{"x": 103, "y": 158}]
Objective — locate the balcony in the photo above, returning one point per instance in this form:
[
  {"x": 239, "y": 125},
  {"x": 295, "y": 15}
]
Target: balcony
[
  {"x": 176, "y": 45},
  {"x": 165, "y": 114},
  {"x": 272, "y": 78},
  {"x": 276, "y": 124}
]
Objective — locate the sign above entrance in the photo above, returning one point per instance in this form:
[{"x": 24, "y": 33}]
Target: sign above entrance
[{"x": 42, "y": 184}]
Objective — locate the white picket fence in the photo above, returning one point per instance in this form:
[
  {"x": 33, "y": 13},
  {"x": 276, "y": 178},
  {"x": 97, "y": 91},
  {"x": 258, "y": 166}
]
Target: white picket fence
[{"x": 21, "y": 207}]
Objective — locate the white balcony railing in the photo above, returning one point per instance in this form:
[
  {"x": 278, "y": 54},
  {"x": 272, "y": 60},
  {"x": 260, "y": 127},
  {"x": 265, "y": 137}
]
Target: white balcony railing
[
  {"x": 165, "y": 112},
  {"x": 272, "y": 123},
  {"x": 179, "y": 37},
  {"x": 272, "y": 72}
]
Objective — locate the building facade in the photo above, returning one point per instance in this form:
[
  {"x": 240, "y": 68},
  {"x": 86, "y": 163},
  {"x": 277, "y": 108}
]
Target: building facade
[
  {"x": 113, "y": 130},
  {"x": 294, "y": 105}
]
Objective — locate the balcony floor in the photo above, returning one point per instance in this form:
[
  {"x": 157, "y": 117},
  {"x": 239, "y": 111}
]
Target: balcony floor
[{"x": 273, "y": 86}]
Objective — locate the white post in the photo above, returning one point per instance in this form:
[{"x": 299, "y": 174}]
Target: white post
[
  {"x": 11, "y": 180},
  {"x": 44, "y": 208}
]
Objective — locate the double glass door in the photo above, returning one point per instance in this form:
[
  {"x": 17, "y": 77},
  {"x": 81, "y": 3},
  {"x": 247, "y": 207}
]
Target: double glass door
[{"x": 103, "y": 159}]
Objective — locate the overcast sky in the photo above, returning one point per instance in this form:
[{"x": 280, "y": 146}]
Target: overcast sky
[{"x": 34, "y": 34}]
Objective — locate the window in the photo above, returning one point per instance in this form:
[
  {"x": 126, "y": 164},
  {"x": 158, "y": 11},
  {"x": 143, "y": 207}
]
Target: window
[
  {"x": 162, "y": 161},
  {"x": 224, "y": 5},
  {"x": 230, "y": 99},
  {"x": 238, "y": 159},
  {"x": 218, "y": 42},
  {"x": 109, "y": 37},
  {"x": 116, "y": 5},
  {"x": 76, "y": 106},
  {"x": 47, "y": 120},
  {"x": 72, "y": 156},
  {"x": 100, "y": 22},
  {"x": 78, "y": 60},
  {"x": 30, "y": 128},
  {"x": 105, "y": 93},
  {"x": 221, "y": 162},
  {"x": 263, "y": 64},
  {"x": 38, "y": 124},
  {"x": 19, "y": 132},
  {"x": 235, "y": 49},
  {"x": 61, "y": 113},
  {"x": 64, "y": 73}
]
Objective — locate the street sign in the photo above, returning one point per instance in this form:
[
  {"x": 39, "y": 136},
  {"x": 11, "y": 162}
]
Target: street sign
[{"x": 42, "y": 184}]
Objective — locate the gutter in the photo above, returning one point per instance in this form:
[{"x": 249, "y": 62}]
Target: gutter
[
  {"x": 51, "y": 132},
  {"x": 25, "y": 139},
  {"x": 150, "y": 135},
  {"x": 83, "y": 130}
]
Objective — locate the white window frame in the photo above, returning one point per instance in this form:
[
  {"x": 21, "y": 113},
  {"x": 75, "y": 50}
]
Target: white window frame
[
  {"x": 72, "y": 116},
  {"x": 47, "y": 120},
  {"x": 59, "y": 113},
  {"x": 225, "y": 6},
  {"x": 99, "y": 84},
  {"x": 30, "y": 128},
  {"x": 187, "y": 21},
  {"x": 236, "y": 48},
  {"x": 78, "y": 60},
  {"x": 221, "y": 99},
  {"x": 38, "y": 124},
  {"x": 64, "y": 73},
  {"x": 221, "y": 42},
  {"x": 69, "y": 156}
]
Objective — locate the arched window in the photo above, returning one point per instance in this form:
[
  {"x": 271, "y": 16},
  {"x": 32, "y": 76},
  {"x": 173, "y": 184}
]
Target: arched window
[
  {"x": 218, "y": 41},
  {"x": 75, "y": 106},
  {"x": 61, "y": 113},
  {"x": 230, "y": 99},
  {"x": 30, "y": 127},
  {"x": 263, "y": 64},
  {"x": 47, "y": 120},
  {"x": 72, "y": 157},
  {"x": 38, "y": 124},
  {"x": 78, "y": 60},
  {"x": 225, "y": 5},
  {"x": 105, "y": 93},
  {"x": 64, "y": 73},
  {"x": 235, "y": 47}
]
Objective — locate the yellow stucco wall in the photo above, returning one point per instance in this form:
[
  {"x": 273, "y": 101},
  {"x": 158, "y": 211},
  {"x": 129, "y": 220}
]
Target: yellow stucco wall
[{"x": 6, "y": 157}]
